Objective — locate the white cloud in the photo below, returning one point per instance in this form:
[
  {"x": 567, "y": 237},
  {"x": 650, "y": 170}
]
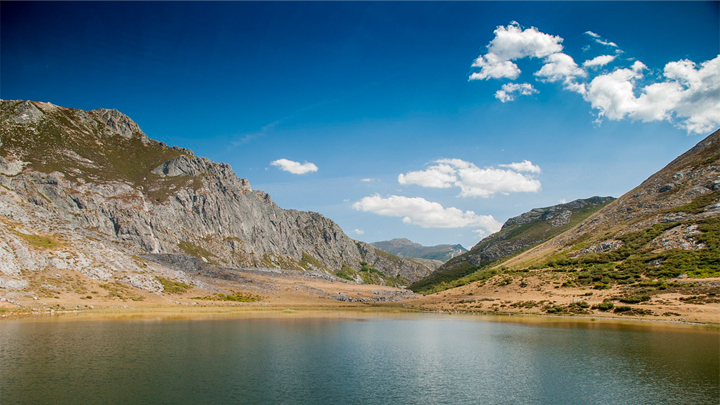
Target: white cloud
[
  {"x": 689, "y": 96},
  {"x": 560, "y": 67},
  {"x": 600, "y": 40},
  {"x": 524, "y": 166},
  {"x": 490, "y": 68},
  {"x": 439, "y": 176},
  {"x": 507, "y": 93},
  {"x": 562, "y": 201},
  {"x": 474, "y": 181},
  {"x": 427, "y": 214},
  {"x": 511, "y": 43},
  {"x": 294, "y": 167},
  {"x": 359, "y": 231},
  {"x": 599, "y": 61}
]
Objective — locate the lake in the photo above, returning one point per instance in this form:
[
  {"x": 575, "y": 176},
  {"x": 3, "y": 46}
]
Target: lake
[{"x": 355, "y": 359}]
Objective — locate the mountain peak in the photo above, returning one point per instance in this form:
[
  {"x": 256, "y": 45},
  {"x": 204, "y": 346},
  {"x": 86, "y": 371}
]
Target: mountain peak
[{"x": 118, "y": 122}]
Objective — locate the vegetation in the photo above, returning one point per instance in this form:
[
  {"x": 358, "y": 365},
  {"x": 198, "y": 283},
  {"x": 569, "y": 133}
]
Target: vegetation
[
  {"x": 234, "y": 296},
  {"x": 636, "y": 262},
  {"x": 121, "y": 291},
  {"x": 308, "y": 262},
  {"x": 173, "y": 287},
  {"x": 196, "y": 251},
  {"x": 87, "y": 150},
  {"x": 38, "y": 241},
  {"x": 370, "y": 275},
  {"x": 459, "y": 271}
]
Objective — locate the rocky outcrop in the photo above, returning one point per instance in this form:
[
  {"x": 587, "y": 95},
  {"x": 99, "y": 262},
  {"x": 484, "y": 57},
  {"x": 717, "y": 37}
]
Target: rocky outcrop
[{"x": 97, "y": 172}]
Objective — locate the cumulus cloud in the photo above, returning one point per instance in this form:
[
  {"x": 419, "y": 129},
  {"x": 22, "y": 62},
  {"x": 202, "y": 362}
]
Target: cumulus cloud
[
  {"x": 424, "y": 213},
  {"x": 524, "y": 166},
  {"x": 438, "y": 176},
  {"x": 687, "y": 94},
  {"x": 294, "y": 167},
  {"x": 359, "y": 231},
  {"x": 511, "y": 43},
  {"x": 491, "y": 68},
  {"x": 474, "y": 181},
  {"x": 599, "y": 61},
  {"x": 560, "y": 67},
  {"x": 508, "y": 91}
]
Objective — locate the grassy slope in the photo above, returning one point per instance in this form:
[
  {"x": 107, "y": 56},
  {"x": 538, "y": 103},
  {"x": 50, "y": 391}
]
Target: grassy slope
[
  {"x": 459, "y": 271},
  {"x": 108, "y": 157}
]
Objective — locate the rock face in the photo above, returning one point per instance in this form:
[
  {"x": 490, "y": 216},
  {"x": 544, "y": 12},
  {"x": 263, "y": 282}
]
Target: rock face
[
  {"x": 97, "y": 172},
  {"x": 517, "y": 234},
  {"x": 410, "y": 250}
]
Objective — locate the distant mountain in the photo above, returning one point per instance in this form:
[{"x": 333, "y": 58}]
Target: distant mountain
[
  {"x": 410, "y": 250},
  {"x": 94, "y": 175},
  {"x": 517, "y": 234}
]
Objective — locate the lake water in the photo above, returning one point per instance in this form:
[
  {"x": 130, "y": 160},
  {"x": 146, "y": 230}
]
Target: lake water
[{"x": 293, "y": 359}]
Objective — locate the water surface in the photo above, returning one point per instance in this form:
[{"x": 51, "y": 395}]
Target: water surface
[{"x": 421, "y": 359}]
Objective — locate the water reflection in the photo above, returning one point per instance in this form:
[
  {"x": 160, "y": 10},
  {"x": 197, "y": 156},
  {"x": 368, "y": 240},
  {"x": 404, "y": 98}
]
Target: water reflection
[{"x": 421, "y": 360}]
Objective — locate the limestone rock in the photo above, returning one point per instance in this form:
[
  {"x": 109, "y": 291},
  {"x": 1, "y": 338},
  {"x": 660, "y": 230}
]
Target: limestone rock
[{"x": 90, "y": 174}]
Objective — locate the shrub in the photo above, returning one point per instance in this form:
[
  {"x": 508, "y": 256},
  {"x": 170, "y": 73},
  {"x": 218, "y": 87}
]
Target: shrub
[
  {"x": 635, "y": 299},
  {"x": 173, "y": 287},
  {"x": 605, "y": 306}
]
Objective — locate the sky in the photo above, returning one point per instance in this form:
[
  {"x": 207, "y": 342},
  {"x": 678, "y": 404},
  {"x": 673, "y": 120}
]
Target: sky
[{"x": 432, "y": 121}]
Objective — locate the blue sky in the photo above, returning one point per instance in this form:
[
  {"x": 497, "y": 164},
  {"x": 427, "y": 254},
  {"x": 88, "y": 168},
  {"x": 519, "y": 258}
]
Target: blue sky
[{"x": 431, "y": 121}]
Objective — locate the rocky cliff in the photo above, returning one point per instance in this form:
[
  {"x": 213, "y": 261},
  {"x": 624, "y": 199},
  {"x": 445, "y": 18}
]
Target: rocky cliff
[
  {"x": 97, "y": 173},
  {"x": 517, "y": 234}
]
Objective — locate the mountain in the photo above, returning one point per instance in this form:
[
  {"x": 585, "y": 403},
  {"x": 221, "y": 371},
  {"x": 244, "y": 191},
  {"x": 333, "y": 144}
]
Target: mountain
[
  {"x": 666, "y": 226},
  {"x": 97, "y": 174},
  {"x": 653, "y": 252},
  {"x": 517, "y": 234},
  {"x": 410, "y": 250}
]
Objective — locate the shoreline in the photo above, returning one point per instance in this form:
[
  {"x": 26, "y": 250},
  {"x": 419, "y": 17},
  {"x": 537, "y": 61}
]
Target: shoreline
[{"x": 350, "y": 312}]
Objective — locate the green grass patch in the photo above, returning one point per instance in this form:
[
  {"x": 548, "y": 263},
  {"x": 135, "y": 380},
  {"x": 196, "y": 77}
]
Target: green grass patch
[
  {"x": 699, "y": 203},
  {"x": 121, "y": 291},
  {"x": 234, "y": 296},
  {"x": 39, "y": 241},
  {"x": 194, "y": 250},
  {"x": 173, "y": 287},
  {"x": 308, "y": 262}
]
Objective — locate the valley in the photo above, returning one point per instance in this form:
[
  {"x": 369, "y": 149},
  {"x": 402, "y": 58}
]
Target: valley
[{"x": 95, "y": 215}]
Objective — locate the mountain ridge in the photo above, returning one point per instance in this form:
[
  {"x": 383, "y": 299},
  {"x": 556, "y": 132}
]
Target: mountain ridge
[
  {"x": 98, "y": 171},
  {"x": 516, "y": 235}
]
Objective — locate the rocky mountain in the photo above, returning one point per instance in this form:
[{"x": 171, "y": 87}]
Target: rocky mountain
[
  {"x": 410, "y": 250},
  {"x": 97, "y": 174},
  {"x": 517, "y": 234}
]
